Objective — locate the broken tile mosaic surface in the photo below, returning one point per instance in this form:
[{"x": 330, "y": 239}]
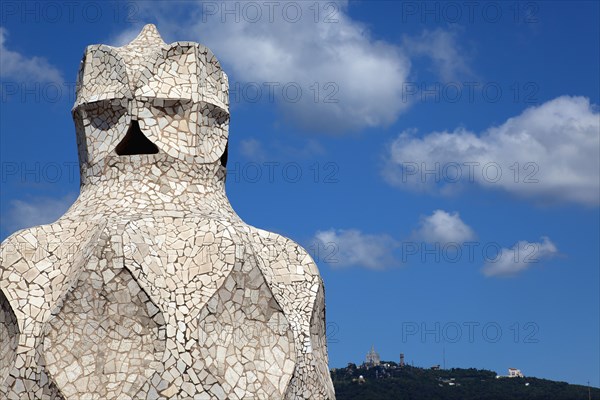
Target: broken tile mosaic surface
[{"x": 151, "y": 286}]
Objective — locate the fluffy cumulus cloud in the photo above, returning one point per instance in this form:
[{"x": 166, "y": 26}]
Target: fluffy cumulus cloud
[
  {"x": 342, "y": 248},
  {"x": 443, "y": 227},
  {"x": 548, "y": 153},
  {"x": 347, "y": 248},
  {"x": 325, "y": 70},
  {"x": 36, "y": 211},
  {"x": 16, "y": 66},
  {"x": 330, "y": 75},
  {"x": 521, "y": 256}
]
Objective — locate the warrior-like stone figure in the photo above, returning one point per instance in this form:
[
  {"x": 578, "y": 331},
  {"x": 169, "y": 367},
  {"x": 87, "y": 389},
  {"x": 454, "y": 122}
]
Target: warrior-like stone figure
[{"x": 150, "y": 286}]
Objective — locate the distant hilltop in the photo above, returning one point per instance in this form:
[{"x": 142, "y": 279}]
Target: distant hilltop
[{"x": 389, "y": 380}]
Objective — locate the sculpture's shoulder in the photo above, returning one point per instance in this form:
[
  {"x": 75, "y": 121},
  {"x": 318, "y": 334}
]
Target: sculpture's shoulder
[
  {"x": 23, "y": 256},
  {"x": 284, "y": 257},
  {"x": 291, "y": 273},
  {"x": 298, "y": 287},
  {"x": 38, "y": 263},
  {"x": 42, "y": 245},
  {"x": 22, "y": 250}
]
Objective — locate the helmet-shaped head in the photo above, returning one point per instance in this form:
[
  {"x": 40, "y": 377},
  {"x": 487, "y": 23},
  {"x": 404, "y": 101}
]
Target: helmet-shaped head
[{"x": 151, "y": 97}]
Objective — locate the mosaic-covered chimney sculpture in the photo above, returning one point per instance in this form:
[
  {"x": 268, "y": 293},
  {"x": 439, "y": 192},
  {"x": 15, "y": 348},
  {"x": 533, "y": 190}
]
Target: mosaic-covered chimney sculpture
[{"x": 150, "y": 286}]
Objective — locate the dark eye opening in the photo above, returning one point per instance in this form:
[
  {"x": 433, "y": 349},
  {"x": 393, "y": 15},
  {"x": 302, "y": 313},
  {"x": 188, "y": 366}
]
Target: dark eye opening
[
  {"x": 135, "y": 142},
  {"x": 223, "y": 158}
]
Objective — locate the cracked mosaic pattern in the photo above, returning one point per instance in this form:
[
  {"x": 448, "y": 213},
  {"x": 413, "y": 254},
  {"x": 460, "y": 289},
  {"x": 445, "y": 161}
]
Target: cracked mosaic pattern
[{"x": 151, "y": 286}]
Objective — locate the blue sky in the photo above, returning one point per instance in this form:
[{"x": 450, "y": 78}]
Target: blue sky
[{"x": 439, "y": 160}]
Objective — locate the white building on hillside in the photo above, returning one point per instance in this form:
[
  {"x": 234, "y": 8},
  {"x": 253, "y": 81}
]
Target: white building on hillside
[
  {"x": 372, "y": 358},
  {"x": 515, "y": 373}
]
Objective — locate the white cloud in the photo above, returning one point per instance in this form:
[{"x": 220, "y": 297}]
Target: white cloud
[
  {"x": 441, "y": 46},
  {"x": 14, "y": 65},
  {"x": 349, "y": 80},
  {"x": 352, "y": 248},
  {"x": 443, "y": 227},
  {"x": 37, "y": 211},
  {"x": 346, "y": 248},
  {"x": 361, "y": 76},
  {"x": 555, "y": 146},
  {"x": 520, "y": 257}
]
